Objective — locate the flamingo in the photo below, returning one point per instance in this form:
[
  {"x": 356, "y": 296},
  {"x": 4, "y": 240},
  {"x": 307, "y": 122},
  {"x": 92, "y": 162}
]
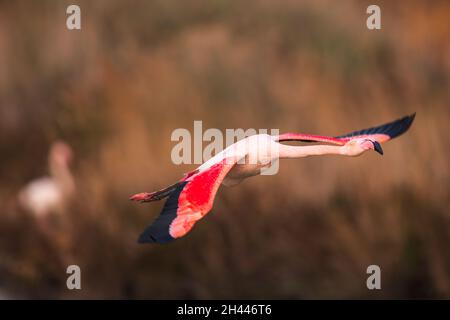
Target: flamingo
[
  {"x": 50, "y": 193},
  {"x": 191, "y": 198}
]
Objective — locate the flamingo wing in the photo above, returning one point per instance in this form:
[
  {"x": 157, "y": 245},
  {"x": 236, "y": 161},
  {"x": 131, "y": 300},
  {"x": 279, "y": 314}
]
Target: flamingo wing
[
  {"x": 380, "y": 133},
  {"x": 191, "y": 200},
  {"x": 308, "y": 138},
  {"x": 383, "y": 132}
]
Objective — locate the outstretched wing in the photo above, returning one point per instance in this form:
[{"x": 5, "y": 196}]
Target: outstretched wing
[
  {"x": 308, "y": 138},
  {"x": 190, "y": 201},
  {"x": 383, "y": 132},
  {"x": 380, "y": 133}
]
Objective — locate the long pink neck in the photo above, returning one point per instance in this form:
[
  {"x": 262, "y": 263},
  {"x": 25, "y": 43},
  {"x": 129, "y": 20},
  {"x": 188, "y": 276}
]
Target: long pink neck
[{"x": 305, "y": 151}]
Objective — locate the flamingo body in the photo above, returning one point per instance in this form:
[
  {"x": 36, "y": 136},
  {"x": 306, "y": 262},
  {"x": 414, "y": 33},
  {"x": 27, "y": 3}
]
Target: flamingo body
[
  {"x": 41, "y": 196},
  {"x": 49, "y": 194}
]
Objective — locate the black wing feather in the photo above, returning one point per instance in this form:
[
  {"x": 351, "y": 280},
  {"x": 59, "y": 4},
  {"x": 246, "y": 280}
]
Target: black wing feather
[
  {"x": 158, "y": 231},
  {"x": 392, "y": 129}
]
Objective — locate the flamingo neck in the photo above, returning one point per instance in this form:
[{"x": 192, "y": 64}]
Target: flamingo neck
[
  {"x": 62, "y": 176},
  {"x": 305, "y": 151}
]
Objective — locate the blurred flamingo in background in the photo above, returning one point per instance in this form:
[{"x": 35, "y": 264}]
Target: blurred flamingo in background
[
  {"x": 51, "y": 193},
  {"x": 192, "y": 198}
]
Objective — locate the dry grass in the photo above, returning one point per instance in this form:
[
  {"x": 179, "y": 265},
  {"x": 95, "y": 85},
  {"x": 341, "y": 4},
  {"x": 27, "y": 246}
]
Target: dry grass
[{"x": 118, "y": 88}]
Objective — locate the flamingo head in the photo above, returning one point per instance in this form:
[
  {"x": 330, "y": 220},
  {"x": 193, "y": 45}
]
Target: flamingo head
[
  {"x": 61, "y": 153},
  {"x": 356, "y": 147}
]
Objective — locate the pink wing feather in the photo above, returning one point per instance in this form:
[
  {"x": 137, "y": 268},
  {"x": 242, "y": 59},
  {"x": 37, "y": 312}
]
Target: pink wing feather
[
  {"x": 380, "y": 133},
  {"x": 190, "y": 201}
]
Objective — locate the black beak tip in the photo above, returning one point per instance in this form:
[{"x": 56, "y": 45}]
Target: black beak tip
[{"x": 377, "y": 147}]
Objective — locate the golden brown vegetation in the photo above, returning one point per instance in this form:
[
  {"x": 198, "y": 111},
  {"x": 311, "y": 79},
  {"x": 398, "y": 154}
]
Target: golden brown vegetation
[{"x": 135, "y": 72}]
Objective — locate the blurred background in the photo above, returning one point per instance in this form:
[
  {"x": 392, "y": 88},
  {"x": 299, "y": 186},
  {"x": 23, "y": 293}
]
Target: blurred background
[{"x": 115, "y": 91}]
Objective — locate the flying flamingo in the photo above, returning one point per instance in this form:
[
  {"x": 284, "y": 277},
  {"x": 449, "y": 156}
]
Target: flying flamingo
[
  {"x": 192, "y": 198},
  {"x": 49, "y": 194}
]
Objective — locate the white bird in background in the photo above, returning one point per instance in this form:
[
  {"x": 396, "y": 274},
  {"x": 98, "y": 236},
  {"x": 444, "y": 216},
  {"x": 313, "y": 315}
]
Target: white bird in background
[{"x": 50, "y": 194}]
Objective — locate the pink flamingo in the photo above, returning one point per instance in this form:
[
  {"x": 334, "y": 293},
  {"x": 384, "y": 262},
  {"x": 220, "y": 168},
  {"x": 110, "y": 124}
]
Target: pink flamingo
[
  {"x": 192, "y": 198},
  {"x": 49, "y": 194}
]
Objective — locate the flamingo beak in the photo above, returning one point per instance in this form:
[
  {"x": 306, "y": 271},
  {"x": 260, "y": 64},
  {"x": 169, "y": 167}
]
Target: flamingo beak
[{"x": 377, "y": 147}]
